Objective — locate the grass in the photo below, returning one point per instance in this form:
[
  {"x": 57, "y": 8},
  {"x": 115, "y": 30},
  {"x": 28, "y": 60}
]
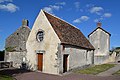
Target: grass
[
  {"x": 96, "y": 69},
  {"x": 4, "y": 77},
  {"x": 117, "y": 73}
]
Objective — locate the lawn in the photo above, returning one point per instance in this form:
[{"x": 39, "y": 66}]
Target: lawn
[
  {"x": 96, "y": 69},
  {"x": 117, "y": 73},
  {"x": 4, "y": 77}
]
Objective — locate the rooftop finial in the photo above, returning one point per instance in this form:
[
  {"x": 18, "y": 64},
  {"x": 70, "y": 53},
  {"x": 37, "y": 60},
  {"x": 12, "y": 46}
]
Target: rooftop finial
[
  {"x": 25, "y": 22},
  {"x": 99, "y": 24}
]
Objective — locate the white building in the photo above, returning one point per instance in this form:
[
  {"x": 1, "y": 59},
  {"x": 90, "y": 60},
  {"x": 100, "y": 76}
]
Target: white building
[{"x": 100, "y": 39}]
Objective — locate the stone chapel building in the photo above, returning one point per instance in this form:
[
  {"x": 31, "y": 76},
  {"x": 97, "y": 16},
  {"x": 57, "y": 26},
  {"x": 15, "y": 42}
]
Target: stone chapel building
[
  {"x": 100, "y": 39},
  {"x": 52, "y": 46}
]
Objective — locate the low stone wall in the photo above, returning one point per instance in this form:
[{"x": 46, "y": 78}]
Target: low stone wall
[
  {"x": 100, "y": 59},
  {"x": 117, "y": 59},
  {"x": 15, "y": 57}
]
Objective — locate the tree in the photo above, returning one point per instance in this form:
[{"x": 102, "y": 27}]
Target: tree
[{"x": 2, "y": 55}]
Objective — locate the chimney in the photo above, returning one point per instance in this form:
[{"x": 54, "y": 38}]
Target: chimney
[
  {"x": 99, "y": 24},
  {"x": 25, "y": 22}
]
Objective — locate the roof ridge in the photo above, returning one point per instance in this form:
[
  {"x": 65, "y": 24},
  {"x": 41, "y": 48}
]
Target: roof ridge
[
  {"x": 101, "y": 29},
  {"x": 62, "y": 20},
  {"x": 68, "y": 33}
]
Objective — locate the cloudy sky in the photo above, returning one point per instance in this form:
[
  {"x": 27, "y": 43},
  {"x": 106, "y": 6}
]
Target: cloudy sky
[{"x": 82, "y": 13}]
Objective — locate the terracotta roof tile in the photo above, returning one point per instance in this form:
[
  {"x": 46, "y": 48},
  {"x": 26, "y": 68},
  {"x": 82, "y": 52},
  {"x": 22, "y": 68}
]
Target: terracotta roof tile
[{"x": 67, "y": 33}]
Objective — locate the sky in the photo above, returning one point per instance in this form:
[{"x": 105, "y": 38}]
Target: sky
[{"x": 84, "y": 14}]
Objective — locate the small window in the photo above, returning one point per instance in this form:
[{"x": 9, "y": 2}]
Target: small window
[
  {"x": 63, "y": 47},
  {"x": 17, "y": 33},
  {"x": 40, "y": 35}
]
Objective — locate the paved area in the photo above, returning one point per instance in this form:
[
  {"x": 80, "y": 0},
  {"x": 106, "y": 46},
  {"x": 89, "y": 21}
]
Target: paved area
[
  {"x": 110, "y": 71},
  {"x": 27, "y": 75},
  {"x": 43, "y": 76}
]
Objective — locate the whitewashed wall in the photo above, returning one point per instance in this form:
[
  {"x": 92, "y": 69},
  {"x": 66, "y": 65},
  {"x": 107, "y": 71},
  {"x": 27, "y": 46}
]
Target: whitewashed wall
[
  {"x": 77, "y": 57},
  {"x": 49, "y": 45},
  {"x": 101, "y": 42}
]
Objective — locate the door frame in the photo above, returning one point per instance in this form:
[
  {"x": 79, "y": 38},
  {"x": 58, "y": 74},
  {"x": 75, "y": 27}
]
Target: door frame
[
  {"x": 42, "y": 61},
  {"x": 67, "y": 65}
]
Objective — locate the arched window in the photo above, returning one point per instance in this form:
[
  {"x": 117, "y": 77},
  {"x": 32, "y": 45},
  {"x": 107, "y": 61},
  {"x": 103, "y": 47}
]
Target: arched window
[{"x": 40, "y": 35}]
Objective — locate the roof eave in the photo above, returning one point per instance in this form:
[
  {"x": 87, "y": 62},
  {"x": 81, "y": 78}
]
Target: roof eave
[
  {"x": 99, "y": 28},
  {"x": 64, "y": 43}
]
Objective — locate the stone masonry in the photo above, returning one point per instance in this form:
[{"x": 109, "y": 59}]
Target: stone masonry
[{"x": 15, "y": 47}]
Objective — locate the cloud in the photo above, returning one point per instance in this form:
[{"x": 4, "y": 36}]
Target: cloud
[
  {"x": 98, "y": 19},
  {"x": 50, "y": 8},
  {"x": 107, "y": 15},
  {"x": 81, "y": 19},
  {"x": 84, "y": 18},
  {"x": 89, "y": 5},
  {"x": 77, "y": 5},
  {"x": 57, "y": 6},
  {"x": 9, "y": 7},
  {"x": 77, "y": 20},
  {"x": 2, "y": 1},
  {"x": 61, "y": 3},
  {"x": 96, "y": 10}
]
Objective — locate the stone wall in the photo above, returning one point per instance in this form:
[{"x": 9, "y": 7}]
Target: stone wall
[
  {"x": 117, "y": 59},
  {"x": 16, "y": 58},
  {"x": 100, "y": 59},
  {"x": 15, "y": 46},
  {"x": 17, "y": 40},
  {"x": 101, "y": 42},
  {"x": 77, "y": 57},
  {"x": 48, "y": 47}
]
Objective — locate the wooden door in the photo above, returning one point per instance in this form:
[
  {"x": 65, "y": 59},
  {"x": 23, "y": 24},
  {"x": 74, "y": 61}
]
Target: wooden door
[
  {"x": 65, "y": 63},
  {"x": 40, "y": 61}
]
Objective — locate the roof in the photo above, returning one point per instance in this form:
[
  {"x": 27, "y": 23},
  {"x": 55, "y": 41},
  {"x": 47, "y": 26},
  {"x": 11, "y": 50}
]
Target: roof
[
  {"x": 101, "y": 29},
  {"x": 67, "y": 33}
]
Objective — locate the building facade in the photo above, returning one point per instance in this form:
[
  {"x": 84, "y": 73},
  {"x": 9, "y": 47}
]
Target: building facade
[
  {"x": 100, "y": 39},
  {"x": 53, "y": 46},
  {"x": 15, "y": 46}
]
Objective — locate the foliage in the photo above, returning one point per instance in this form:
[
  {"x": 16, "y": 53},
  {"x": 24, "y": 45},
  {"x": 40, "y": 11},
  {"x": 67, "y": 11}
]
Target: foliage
[
  {"x": 2, "y": 55},
  {"x": 2, "y": 51},
  {"x": 96, "y": 69},
  {"x": 4, "y": 77},
  {"x": 115, "y": 49},
  {"x": 10, "y": 49}
]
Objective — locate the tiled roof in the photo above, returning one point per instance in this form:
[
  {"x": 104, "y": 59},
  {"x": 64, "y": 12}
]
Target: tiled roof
[{"x": 67, "y": 33}]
